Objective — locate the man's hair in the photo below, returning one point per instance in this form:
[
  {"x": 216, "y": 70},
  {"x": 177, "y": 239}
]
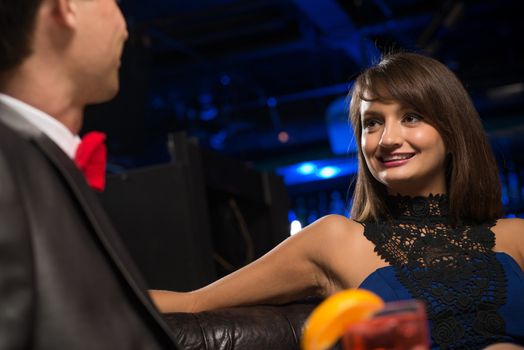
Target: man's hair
[
  {"x": 17, "y": 22},
  {"x": 430, "y": 88}
]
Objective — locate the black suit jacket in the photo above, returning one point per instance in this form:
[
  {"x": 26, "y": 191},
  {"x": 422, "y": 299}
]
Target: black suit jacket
[{"x": 66, "y": 282}]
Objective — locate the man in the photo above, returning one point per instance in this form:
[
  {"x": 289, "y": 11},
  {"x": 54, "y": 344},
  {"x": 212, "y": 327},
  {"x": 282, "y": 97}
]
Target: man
[{"x": 65, "y": 280}]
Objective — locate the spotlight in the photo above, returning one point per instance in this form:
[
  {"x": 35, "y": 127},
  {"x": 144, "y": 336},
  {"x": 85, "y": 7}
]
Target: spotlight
[
  {"x": 328, "y": 172},
  {"x": 306, "y": 168}
]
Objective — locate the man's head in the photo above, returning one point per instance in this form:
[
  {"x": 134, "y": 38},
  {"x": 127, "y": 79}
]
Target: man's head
[
  {"x": 73, "y": 46},
  {"x": 96, "y": 47}
]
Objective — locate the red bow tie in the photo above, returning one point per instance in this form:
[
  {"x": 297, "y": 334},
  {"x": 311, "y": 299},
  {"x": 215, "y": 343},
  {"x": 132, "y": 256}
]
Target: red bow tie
[{"x": 91, "y": 157}]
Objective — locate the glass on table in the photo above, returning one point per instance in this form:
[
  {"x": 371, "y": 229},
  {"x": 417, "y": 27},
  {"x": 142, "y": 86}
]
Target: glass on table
[{"x": 400, "y": 325}]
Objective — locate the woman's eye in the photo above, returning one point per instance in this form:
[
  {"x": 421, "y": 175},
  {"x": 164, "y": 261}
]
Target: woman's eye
[
  {"x": 370, "y": 123},
  {"x": 412, "y": 118}
]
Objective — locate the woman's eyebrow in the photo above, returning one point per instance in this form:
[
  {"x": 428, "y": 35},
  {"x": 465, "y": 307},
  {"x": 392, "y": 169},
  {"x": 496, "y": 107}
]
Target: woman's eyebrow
[{"x": 371, "y": 113}]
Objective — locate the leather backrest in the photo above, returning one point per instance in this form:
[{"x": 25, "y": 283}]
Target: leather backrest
[{"x": 242, "y": 328}]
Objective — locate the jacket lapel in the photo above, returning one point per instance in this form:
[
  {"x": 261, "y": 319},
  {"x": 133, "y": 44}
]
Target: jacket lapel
[{"x": 89, "y": 203}]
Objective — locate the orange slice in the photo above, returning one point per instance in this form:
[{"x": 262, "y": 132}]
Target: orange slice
[{"x": 334, "y": 315}]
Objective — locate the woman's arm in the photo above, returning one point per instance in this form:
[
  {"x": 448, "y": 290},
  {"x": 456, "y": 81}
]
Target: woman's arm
[
  {"x": 504, "y": 346},
  {"x": 296, "y": 268}
]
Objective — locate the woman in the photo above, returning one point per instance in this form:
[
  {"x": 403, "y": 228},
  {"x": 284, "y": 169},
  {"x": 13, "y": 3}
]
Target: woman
[{"x": 425, "y": 218}]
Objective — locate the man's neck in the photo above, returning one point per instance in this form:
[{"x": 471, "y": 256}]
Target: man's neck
[{"x": 45, "y": 93}]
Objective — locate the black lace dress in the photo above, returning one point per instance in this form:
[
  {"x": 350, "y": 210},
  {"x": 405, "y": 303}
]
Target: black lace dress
[{"x": 474, "y": 297}]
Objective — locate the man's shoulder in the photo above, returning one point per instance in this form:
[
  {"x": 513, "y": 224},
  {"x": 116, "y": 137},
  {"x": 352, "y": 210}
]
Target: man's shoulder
[
  {"x": 12, "y": 140},
  {"x": 13, "y": 123},
  {"x": 11, "y": 146},
  {"x": 17, "y": 151}
]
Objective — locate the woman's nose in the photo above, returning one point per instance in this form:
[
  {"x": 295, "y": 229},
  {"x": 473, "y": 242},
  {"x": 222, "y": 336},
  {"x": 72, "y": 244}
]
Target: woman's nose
[{"x": 391, "y": 137}]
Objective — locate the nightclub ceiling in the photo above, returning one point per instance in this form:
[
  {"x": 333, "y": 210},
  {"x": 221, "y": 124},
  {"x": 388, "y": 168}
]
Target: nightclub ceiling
[{"x": 265, "y": 81}]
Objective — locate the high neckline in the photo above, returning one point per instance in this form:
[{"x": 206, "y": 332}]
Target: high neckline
[
  {"x": 419, "y": 206},
  {"x": 453, "y": 269}
]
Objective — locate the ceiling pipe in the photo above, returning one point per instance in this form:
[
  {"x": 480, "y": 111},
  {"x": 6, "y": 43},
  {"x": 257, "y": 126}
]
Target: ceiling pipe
[{"x": 338, "y": 29}]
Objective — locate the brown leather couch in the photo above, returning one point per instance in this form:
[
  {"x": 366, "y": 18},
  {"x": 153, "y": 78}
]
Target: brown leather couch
[{"x": 242, "y": 328}]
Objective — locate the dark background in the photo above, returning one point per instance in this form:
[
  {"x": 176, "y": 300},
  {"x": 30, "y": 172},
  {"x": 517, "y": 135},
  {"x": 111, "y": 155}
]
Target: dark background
[{"x": 237, "y": 74}]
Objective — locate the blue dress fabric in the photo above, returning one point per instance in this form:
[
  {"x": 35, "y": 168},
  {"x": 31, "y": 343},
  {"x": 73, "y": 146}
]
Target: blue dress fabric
[
  {"x": 474, "y": 297},
  {"x": 384, "y": 283}
]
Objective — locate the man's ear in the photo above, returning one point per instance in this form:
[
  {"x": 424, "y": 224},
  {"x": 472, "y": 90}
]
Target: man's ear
[{"x": 65, "y": 12}]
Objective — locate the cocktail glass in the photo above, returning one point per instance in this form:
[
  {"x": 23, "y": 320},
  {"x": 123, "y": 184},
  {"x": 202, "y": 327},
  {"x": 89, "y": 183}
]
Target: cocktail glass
[{"x": 399, "y": 325}]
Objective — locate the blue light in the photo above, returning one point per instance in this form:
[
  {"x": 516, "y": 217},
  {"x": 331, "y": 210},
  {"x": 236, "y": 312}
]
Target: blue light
[
  {"x": 208, "y": 113},
  {"x": 271, "y": 102},
  {"x": 217, "y": 141},
  {"x": 328, "y": 172},
  {"x": 338, "y": 127},
  {"x": 317, "y": 170},
  {"x": 306, "y": 168},
  {"x": 205, "y": 99},
  {"x": 158, "y": 102},
  {"x": 225, "y": 80}
]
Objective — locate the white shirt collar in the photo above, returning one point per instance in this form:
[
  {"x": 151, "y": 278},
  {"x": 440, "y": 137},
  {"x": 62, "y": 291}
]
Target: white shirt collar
[{"x": 55, "y": 130}]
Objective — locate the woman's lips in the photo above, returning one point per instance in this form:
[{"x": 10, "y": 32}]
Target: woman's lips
[{"x": 396, "y": 160}]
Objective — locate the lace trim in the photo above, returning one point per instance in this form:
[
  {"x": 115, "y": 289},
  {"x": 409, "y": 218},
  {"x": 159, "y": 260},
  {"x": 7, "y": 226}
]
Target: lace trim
[
  {"x": 418, "y": 207},
  {"x": 454, "y": 270}
]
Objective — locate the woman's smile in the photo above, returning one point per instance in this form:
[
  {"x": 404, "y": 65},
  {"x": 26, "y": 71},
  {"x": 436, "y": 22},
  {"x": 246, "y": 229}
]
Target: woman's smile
[{"x": 395, "y": 159}]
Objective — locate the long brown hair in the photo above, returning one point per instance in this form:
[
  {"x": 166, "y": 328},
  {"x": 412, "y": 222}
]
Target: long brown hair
[{"x": 430, "y": 88}]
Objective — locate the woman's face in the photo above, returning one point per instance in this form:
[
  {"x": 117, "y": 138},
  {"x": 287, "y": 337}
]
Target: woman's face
[{"x": 401, "y": 150}]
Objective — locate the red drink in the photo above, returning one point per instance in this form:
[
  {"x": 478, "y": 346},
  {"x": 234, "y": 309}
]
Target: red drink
[{"x": 398, "y": 326}]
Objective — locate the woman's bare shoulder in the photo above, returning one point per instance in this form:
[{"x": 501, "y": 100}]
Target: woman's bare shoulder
[
  {"x": 511, "y": 224},
  {"x": 511, "y": 229},
  {"x": 509, "y": 238},
  {"x": 339, "y": 221},
  {"x": 343, "y": 251},
  {"x": 336, "y": 228}
]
